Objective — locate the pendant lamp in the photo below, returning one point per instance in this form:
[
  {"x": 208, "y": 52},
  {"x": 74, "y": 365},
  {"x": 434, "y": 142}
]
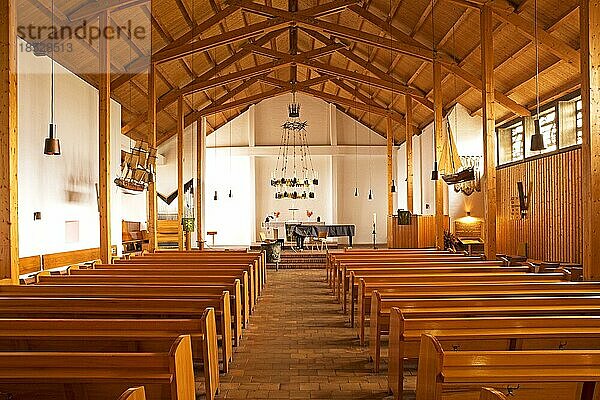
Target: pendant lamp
[
  {"x": 435, "y": 174},
  {"x": 51, "y": 143}
]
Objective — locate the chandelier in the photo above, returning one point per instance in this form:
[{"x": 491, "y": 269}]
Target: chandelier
[{"x": 294, "y": 176}]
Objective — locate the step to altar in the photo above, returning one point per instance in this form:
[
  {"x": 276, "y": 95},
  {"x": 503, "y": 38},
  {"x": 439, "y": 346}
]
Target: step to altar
[{"x": 301, "y": 260}]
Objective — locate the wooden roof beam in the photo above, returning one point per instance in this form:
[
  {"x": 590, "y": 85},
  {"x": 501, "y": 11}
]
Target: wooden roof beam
[
  {"x": 190, "y": 118},
  {"x": 354, "y": 104},
  {"x": 298, "y": 85},
  {"x": 235, "y": 35},
  {"x": 552, "y": 44},
  {"x": 360, "y": 78},
  {"x": 198, "y": 29},
  {"x": 500, "y": 97},
  {"x": 94, "y": 8},
  {"x": 200, "y": 85},
  {"x": 317, "y": 11}
]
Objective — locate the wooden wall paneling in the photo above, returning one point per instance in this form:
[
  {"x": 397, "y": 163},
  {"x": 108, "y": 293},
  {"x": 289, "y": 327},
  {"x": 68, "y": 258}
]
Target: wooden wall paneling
[
  {"x": 553, "y": 226},
  {"x": 151, "y": 195},
  {"x": 589, "y": 24},
  {"x": 30, "y": 264},
  {"x": 104, "y": 139},
  {"x": 63, "y": 259},
  {"x": 489, "y": 130},
  {"x": 9, "y": 226},
  {"x": 180, "y": 203}
]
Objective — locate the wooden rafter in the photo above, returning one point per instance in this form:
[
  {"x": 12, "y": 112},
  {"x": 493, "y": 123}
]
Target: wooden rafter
[
  {"x": 246, "y": 32},
  {"x": 92, "y": 9}
]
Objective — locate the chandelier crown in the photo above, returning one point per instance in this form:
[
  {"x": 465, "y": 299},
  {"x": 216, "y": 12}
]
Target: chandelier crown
[{"x": 294, "y": 110}]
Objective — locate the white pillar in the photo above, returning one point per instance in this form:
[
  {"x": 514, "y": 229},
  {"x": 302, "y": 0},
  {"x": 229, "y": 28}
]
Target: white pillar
[{"x": 251, "y": 145}]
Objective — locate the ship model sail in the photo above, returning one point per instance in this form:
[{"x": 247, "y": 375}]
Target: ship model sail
[
  {"x": 453, "y": 171},
  {"x": 137, "y": 168}
]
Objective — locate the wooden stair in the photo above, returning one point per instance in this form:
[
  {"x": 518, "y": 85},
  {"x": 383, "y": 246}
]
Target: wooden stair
[{"x": 301, "y": 260}]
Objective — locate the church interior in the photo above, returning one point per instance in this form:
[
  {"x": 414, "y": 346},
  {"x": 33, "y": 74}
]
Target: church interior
[{"x": 299, "y": 199}]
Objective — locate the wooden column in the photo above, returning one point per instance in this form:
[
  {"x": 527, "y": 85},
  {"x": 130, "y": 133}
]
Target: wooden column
[
  {"x": 409, "y": 154},
  {"x": 180, "y": 203},
  {"x": 390, "y": 177},
  {"x": 489, "y": 131},
  {"x": 104, "y": 140},
  {"x": 438, "y": 137},
  {"x": 589, "y": 12},
  {"x": 152, "y": 206},
  {"x": 9, "y": 226},
  {"x": 199, "y": 189}
]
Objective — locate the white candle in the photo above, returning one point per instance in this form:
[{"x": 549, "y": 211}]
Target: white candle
[{"x": 375, "y": 219}]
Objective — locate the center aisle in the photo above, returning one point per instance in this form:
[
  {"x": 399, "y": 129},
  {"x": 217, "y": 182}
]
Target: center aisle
[{"x": 299, "y": 347}]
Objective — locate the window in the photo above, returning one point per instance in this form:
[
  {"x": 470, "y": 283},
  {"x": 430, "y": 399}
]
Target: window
[
  {"x": 579, "y": 116},
  {"x": 548, "y": 128},
  {"x": 516, "y": 140},
  {"x": 510, "y": 143}
]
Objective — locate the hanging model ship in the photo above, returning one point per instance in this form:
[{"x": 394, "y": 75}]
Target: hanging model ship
[
  {"x": 137, "y": 168},
  {"x": 462, "y": 172}
]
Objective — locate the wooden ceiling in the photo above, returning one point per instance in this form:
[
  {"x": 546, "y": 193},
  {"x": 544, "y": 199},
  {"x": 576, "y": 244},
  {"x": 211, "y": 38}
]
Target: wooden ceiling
[{"x": 224, "y": 55}]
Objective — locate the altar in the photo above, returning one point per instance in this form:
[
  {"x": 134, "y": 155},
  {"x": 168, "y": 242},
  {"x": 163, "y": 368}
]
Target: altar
[{"x": 296, "y": 232}]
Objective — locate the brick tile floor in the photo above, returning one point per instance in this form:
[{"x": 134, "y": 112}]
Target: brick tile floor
[{"x": 299, "y": 346}]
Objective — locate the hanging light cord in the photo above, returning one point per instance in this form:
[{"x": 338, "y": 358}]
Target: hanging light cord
[
  {"x": 537, "y": 58},
  {"x": 52, "y": 72}
]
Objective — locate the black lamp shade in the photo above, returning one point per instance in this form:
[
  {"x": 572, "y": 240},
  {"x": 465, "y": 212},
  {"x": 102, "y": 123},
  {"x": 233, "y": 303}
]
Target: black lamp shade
[
  {"x": 537, "y": 140},
  {"x": 216, "y": 197},
  {"x": 435, "y": 174},
  {"x": 355, "y": 192},
  {"x": 370, "y": 194},
  {"x": 51, "y": 144},
  {"x": 393, "y": 186}
]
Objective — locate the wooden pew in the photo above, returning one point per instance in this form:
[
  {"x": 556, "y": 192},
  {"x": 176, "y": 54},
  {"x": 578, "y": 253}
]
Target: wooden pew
[
  {"x": 116, "y": 335},
  {"x": 258, "y": 260},
  {"x": 338, "y": 273},
  {"x": 137, "y": 291},
  {"x": 467, "y": 278},
  {"x": 472, "y": 306},
  {"x": 98, "y": 376},
  {"x": 486, "y": 333},
  {"x": 127, "y": 308},
  {"x": 137, "y": 393},
  {"x": 173, "y": 271},
  {"x": 543, "y": 374},
  {"x": 253, "y": 277},
  {"x": 462, "y": 289},
  {"x": 387, "y": 270},
  {"x": 491, "y": 394},
  {"x": 348, "y": 254},
  {"x": 155, "y": 280}
]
